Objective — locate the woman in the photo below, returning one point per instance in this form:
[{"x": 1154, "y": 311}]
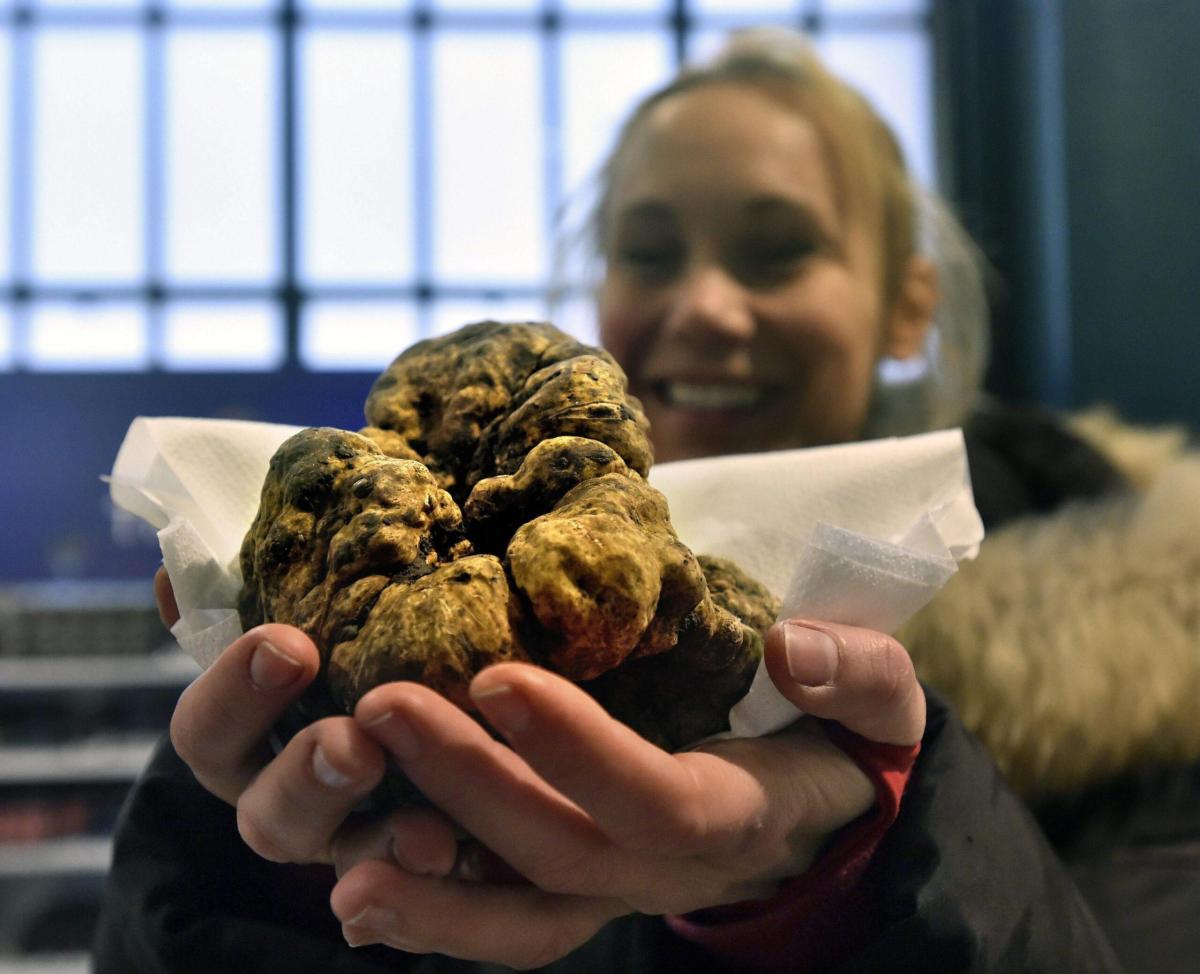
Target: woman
[{"x": 758, "y": 235}]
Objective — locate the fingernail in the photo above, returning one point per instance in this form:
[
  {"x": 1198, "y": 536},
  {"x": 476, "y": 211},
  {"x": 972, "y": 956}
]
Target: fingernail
[
  {"x": 326, "y": 773},
  {"x": 396, "y": 733},
  {"x": 812, "y": 655},
  {"x": 271, "y": 668},
  {"x": 375, "y": 919},
  {"x": 504, "y": 707},
  {"x": 359, "y": 936}
]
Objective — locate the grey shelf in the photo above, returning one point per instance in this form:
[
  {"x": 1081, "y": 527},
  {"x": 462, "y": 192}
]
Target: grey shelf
[
  {"x": 89, "y": 855},
  {"x": 34, "y": 674},
  {"x": 51, "y": 964},
  {"x": 86, "y": 762}
]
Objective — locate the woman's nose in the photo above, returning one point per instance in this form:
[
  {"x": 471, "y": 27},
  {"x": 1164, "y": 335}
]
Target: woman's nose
[{"x": 710, "y": 303}]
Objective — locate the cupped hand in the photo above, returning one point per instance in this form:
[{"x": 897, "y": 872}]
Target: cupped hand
[
  {"x": 577, "y": 821},
  {"x": 596, "y": 821}
]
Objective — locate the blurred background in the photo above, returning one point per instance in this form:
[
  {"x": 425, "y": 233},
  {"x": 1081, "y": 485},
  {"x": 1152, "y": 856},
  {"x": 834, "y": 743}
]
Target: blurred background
[{"x": 246, "y": 208}]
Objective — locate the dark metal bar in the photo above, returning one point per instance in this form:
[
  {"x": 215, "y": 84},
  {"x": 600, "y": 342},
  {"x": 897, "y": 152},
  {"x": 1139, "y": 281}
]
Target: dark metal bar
[
  {"x": 290, "y": 294},
  {"x": 680, "y": 24},
  {"x": 424, "y": 185},
  {"x": 552, "y": 119},
  {"x": 154, "y": 210},
  {"x": 21, "y": 178}
]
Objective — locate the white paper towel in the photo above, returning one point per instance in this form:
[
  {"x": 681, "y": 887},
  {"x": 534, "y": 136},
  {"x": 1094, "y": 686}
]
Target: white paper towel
[{"x": 861, "y": 533}]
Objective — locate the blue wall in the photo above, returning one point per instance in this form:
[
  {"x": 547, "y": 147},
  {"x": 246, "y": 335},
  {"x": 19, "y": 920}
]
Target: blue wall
[{"x": 60, "y": 433}]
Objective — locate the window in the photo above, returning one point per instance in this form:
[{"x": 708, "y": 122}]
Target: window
[{"x": 257, "y": 185}]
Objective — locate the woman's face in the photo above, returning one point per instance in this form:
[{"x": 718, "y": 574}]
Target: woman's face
[{"x": 745, "y": 310}]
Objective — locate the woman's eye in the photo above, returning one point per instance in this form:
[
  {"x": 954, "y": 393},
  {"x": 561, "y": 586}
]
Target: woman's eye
[
  {"x": 784, "y": 252},
  {"x": 776, "y": 260},
  {"x": 650, "y": 260}
]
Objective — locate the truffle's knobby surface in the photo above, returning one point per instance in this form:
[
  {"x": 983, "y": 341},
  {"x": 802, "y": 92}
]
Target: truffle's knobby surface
[
  {"x": 607, "y": 579},
  {"x": 472, "y": 403},
  {"x": 671, "y": 699},
  {"x": 366, "y": 554},
  {"x": 562, "y": 555}
]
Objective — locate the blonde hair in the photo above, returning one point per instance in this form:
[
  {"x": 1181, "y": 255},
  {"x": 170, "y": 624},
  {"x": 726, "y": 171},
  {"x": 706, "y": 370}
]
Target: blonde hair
[{"x": 872, "y": 183}]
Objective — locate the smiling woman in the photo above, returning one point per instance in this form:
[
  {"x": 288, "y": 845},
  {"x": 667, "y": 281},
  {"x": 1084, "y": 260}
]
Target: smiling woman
[{"x": 757, "y": 268}]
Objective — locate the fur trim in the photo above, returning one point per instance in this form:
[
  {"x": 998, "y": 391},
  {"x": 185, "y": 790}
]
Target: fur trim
[
  {"x": 1071, "y": 645},
  {"x": 1140, "y": 453}
]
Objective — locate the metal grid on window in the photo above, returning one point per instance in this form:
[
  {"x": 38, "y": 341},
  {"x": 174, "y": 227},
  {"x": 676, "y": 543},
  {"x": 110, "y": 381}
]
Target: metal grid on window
[{"x": 250, "y": 184}]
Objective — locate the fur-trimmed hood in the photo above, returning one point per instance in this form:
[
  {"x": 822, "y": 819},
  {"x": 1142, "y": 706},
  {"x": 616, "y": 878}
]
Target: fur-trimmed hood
[{"x": 1071, "y": 645}]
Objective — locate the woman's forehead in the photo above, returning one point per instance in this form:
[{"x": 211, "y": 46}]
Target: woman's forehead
[{"x": 724, "y": 142}]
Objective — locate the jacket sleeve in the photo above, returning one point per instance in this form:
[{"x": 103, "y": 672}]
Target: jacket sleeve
[
  {"x": 965, "y": 880},
  {"x": 186, "y": 894},
  {"x": 820, "y": 914}
]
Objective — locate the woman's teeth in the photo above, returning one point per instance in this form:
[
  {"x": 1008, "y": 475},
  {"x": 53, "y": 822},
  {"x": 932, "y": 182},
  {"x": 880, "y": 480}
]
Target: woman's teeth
[{"x": 695, "y": 395}]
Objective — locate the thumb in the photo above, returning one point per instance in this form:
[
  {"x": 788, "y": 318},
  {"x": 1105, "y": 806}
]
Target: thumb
[{"x": 861, "y": 678}]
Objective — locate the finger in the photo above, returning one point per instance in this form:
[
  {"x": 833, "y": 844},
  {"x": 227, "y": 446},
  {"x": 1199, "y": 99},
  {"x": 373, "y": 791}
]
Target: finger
[
  {"x": 491, "y": 792},
  {"x": 422, "y": 841},
  {"x": 519, "y": 927},
  {"x": 291, "y": 811},
  {"x": 221, "y": 722},
  {"x": 643, "y": 799},
  {"x": 164, "y": 597},
  {"x": 861, "y": 678},
  {"x": 720, "y": 809}
]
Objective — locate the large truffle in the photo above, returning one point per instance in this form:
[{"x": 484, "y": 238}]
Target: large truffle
[{"x": 562, "y": 555}]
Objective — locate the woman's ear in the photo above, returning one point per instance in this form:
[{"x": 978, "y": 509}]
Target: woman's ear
[{"x": 911, "y": 313}]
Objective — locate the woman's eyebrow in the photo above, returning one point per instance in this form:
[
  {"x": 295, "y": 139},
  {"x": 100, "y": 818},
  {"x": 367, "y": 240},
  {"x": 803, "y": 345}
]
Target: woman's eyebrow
[
  {"x": 648, "y": 210},
  {"x": 786, "y": 208},
  {"x": 789, "y": 213}
]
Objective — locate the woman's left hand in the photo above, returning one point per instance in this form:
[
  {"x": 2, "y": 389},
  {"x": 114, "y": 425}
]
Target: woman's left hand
[{"x": 579, "y": 820}]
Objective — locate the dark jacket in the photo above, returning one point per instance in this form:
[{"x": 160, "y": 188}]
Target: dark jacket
[{"x": 966, "y": 879}]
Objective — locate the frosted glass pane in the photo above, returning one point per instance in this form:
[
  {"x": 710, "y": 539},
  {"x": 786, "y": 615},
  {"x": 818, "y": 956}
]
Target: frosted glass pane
[
  {"x": 5, "y": 151},
  {"x": 703, "y": 44},
  {"x": 341, "y": 5},
  {"x": 220, "y": 153},
  {"x": 604, "y": 74},
  {"x": 507, "y": 6},
  {"x": 87, "y": 337},
  {"x": 6, "y": 337},
  {"x": 876, "y": 6},
  {"x": 222, "y": 336},
  {"x": 223, "y": 4},
  {"x": 449, "y": 315},
  {"x": 87, "y": 154},
  {"x": 745, "y": 7},
  {"x": 84, "y": 4},
  {"x": 577, "y": 316},
  {"x": 614, "y": 6},
  {"x": 490, "y": 215},
  {"x": 893, "y": 70},
  {"x": 356, "y": 335},
  {"x": 356, "y": 156}
]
